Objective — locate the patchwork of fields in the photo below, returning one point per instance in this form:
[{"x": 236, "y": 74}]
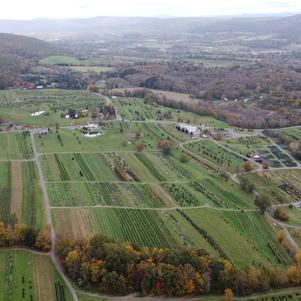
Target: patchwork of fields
[
  {"x": 189, "y": 195},
  {"x": 17, "y": 106},
  {"x": 30, "y": 277}
]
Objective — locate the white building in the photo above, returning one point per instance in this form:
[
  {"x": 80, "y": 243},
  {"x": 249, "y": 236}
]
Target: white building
[
  {"x": 188, "y": 129},
  {"x": 39, "y": 113}
]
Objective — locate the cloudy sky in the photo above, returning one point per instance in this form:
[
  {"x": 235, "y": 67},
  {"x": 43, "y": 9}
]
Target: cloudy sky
[{"x": 29, "y": 9}]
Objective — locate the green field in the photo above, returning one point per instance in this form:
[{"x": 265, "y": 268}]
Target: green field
[
  {"x": 252, "y": 240},
  {"x": 70, "y": 60},
  {"x": 137, "y": 109},
  {"x": 247, "y": 145},
  {"x": 138, "y": 226},
  {"x": 20, "y": 197},
  {"x": 74, "y": 141},
  {"x": 15, "y": 146},
  {"x": 30, "y": 277},
  {"x": 294, "y": 215},
  {"x": 109, "y": 194},
  {"x": 17, "y": 106},
  {"x": 215, "y": 154}
]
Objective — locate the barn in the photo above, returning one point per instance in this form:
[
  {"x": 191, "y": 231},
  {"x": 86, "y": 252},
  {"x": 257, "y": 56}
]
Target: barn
[{"x": 188, "y": 129}]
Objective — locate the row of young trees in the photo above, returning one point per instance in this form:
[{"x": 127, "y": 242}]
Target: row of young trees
[
  {"x": 121, "y": 268},
  {"x": 25, "y": 236}
]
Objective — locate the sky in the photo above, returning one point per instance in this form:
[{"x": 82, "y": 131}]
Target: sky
[{"x": 32, "y": 9}]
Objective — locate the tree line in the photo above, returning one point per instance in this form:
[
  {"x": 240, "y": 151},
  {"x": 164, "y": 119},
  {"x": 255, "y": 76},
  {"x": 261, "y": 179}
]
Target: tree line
[
  {"x": 117, "y": 268},
  {"x": 25, "y": 236}
]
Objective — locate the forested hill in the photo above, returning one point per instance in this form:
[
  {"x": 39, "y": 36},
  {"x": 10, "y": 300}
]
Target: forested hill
[
  {"x": 25, "y": 47},
  {"x": 18, "y": 53}
]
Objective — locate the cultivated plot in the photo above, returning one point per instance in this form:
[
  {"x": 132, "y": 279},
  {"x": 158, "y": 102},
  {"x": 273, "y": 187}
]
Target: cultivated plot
[
  {"x": 29, "y": 277},
  {"x": 20, "y": 198},
  {"x": 15, "y": 146}
]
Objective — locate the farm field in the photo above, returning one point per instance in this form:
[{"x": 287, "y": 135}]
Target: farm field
[
  {"x": 73, "y": 141},
  {"x": 115, "y": 167},
  {"x": 216, "y": 155},
  {"x": 138, "y": 226},
  {"x": 294, "y": 216},
  {"x": 15, "y": 146},
  {"x": 293, "y": 133},
  {"x": 254, "y": 241},
  {"x": 17, "y": 106},
  {"x": 137, "y": 109},
  {"x": 30, "y": 277},
  {"x": 272, "y": 187},
  {"x": 247, "y": 146},
  {"x": 70, "y": 60},
  {"x": 21, "y": 197},
  {"x": 260, "y": 146},
  {"x": 293, "y": 175},
  {"x": 109, "y": 194}
]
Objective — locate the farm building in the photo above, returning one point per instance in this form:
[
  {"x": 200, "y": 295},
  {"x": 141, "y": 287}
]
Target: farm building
[
  {"x": 44, "y": 131},
  {"x": 188, "y": 129},
  {"x": 39, "y": 113},
  {"x": 72, "y": 115}
]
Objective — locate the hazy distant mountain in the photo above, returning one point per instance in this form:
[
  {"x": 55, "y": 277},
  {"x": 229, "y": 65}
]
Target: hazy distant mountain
[{"x": 278, "y": 26}]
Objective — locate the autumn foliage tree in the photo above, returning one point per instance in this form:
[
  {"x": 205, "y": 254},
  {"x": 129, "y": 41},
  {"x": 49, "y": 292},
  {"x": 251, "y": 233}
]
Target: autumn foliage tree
[
  {"x": 247, "y": 166},
  {"x": 228, "y": 295},
  {"x": 139, "y": 146},
  {"x": 24, "y": 236},
  {"x": 121, "y": 268},
  {"x": 166, "y": 146}
]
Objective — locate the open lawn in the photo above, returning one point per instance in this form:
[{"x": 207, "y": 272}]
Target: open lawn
[
  {"x": 74, "y": 141},
  {"x": 30, "y": 277}
]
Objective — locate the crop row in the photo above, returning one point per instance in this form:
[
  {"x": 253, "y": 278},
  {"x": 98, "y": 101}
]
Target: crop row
[
  {"x": 200, "y": 188},
  {"x": 254, "y": 228},
  {"x": 204, "y": 234},
  {"x": 149, "y": 165},
  {"x": 181, "y": 195}
]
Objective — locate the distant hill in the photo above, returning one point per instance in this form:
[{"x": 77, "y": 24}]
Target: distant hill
[
  {"x": 25, "y": 47},
  {"x": 18, "y": 53},
  {"x": 288, "y": 27}
]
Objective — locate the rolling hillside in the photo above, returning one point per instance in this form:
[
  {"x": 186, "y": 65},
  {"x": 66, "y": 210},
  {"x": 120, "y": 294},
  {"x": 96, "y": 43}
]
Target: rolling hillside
[{"x": 18, "y": 53}]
